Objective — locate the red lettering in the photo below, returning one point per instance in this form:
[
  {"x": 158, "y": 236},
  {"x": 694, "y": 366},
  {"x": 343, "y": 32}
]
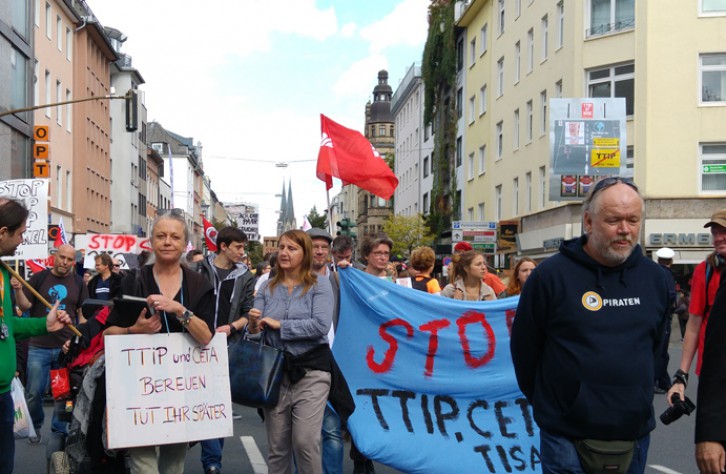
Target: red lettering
[
  {"x": 145, "y": 244},
  {"x": 472, "y": 317},
  {"x": 93, "y": 242},
  {"x": 390, "y": 354},
  {"x": 510, "y": 313},
  {"x": 106, "y": 238},
  {"x": 433, "y": 327}
]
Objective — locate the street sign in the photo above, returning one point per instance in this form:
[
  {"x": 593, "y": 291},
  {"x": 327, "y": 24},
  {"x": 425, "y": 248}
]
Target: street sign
[
  {"x": 489, "y": 248},
  {"x": 720, "y": 168},
  {"x": 40, "y": 151},
  {"x": 41, "y": 133},
  {"x": 41, "y": 169},
  {"x": 473, "y": 225}
]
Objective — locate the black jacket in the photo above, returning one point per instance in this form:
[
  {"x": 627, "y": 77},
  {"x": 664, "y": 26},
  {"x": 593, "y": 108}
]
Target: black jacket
[
  {"x": 584, "y": 341},
  {"x": 234, "y": 296},
  {"x": 114, "y": 285}
]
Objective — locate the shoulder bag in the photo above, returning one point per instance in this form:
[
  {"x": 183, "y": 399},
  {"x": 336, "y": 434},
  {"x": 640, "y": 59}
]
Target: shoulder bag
[{"x": 255, "y": 373}]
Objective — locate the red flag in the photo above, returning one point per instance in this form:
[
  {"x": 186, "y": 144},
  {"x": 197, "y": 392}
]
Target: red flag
[
  {"x": 61, "y": 237},
  {"x": 39, "y": 264},
  {"x": 349, "y": 156},
  {"x": 210, "y": 235}
]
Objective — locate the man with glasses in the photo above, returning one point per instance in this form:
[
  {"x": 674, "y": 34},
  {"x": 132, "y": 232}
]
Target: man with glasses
[
  {"x": 585, "y": 336},
  {"x": 59, "y": 283},
  {"x": 234, "y": 287}
]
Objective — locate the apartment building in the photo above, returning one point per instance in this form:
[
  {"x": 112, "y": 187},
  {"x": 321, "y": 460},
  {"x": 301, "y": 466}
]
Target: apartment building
[{"x": 519, "y": 54}]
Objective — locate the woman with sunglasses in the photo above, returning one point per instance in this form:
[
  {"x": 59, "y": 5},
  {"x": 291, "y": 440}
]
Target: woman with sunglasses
[
  {"x": 469, "y": 269},
  {"x": 183, "y": 301},
  {"x": 295, "y": 308}
]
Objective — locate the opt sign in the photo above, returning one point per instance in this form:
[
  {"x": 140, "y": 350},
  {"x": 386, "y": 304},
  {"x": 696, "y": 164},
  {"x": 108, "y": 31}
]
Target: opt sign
[{"x": 41, "y": 151}]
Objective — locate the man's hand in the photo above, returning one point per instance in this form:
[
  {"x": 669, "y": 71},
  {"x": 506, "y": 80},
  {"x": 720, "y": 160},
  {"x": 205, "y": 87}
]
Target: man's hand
[
  {"x": 15, "y": 284},
  {"x": 710, "y": 457},
  {"x": 57, "y": 319},
  {"x": 676, "y": 388}
]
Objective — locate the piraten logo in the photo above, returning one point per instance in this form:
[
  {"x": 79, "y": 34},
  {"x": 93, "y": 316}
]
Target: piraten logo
[{"x": 591, "y": 301}]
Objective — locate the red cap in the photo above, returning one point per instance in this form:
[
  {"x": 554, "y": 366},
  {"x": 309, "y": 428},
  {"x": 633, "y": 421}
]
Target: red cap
[{"x": 463, "y": 247}]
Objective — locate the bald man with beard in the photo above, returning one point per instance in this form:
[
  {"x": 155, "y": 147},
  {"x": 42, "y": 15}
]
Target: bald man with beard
[{"x": 59, "y": 283}]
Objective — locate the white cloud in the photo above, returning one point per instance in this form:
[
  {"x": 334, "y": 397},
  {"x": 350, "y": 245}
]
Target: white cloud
[
  {"x": 406, "y": 25},
  {"x": 348, "y": 30},
  {"x": 360, "y": 78}
]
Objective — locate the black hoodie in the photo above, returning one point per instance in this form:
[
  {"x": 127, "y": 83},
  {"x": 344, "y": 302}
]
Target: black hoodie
[{"x": 584, "y": 342}]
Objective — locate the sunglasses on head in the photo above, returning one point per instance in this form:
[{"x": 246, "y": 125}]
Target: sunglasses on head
[
  {"x": 607, "y": 182},
  {"x": 172, "y": 212}
]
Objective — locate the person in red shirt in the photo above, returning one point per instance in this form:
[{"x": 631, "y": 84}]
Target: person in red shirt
[{"x": 701, "y": 301}]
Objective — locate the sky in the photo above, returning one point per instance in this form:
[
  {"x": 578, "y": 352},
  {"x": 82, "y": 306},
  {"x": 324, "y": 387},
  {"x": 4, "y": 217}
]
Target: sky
[{"x": 250, "y": 78}]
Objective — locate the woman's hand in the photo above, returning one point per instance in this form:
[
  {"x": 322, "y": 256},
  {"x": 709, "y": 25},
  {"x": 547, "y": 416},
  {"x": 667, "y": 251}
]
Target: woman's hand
[
  {"x": 57, "y": 319},
  {"x": 253, "y": 327},
  {"x": 144, "y": 325},
  {"x": 271, "y": 323},
  {"x": 162, "y": 303}
]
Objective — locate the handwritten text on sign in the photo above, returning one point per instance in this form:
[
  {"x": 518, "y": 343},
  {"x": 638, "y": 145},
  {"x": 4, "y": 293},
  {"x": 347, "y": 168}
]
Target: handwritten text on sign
[
  {"x": 432, "y": 375},
  {"x": 33, "y": 193},
  {"x": 166, "y": 388},
  {"x": 116, "y": 245}
]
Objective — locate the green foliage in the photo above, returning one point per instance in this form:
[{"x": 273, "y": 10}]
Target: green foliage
[
  {"x": 317, "y": 220},
  {"x": 407, "y": 233},
  {"x": 255, "y": 251},
  {"x": 438, "y": 65}
]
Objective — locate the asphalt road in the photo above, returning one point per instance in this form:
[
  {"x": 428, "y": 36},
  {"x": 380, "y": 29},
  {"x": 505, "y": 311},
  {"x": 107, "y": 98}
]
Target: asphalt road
[{"x": 671, "y": 447}]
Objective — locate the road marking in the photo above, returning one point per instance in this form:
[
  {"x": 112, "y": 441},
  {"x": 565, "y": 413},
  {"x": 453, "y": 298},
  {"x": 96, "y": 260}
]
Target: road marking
[
  {"x": 259, "y": 466},
  {"x": 663, "y": 469}
]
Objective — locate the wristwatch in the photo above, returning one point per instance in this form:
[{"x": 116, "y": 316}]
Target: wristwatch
[{"x": 185, "y": 317}]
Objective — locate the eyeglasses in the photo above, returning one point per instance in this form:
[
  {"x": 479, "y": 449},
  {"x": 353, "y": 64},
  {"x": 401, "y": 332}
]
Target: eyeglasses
[
  {"x": 173, "y": 212},
  {"x": 381, "y": 254},
  {"x": 116, "y": 265}
]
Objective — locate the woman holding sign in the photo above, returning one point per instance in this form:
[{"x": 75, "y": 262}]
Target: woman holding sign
[
  {"x": 469, "y": 269},
  {"x": 295, "y": 308},
  {"x": 181, "y": 300}
]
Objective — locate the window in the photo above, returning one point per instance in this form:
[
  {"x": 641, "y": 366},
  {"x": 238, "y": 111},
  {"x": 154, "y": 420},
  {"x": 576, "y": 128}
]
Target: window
[
  {"x": 432, "y": 162},
  {"x": 517, "y": 8},
  {"x": 528, "y": 196},
  {"x": 713, "y": 167},
  {"x": 69, "y": 109},
  {"x": 501, "y": 16},
  {"x": 69, "y": 44},
  {"x": 458, "y": 151},
  {"x": 481, "y": 212},
  {"x": 608, "y": 16},
  {"x": 713, "y": 77},
  {"x": 48, "y": 99},
  {"x": 530, "y": 121},
  {"x": 48, "y": 20},
  {"x": 560, "y": 24},
  {"x": 482, "y": 159},
  {"x": 530, "y": 50},
  {"x": 472, "y": 52},
  {"x": 59, "y": 32},
  {"x": 515, "y": 200},
  {"x": 426, "y": 206},
  {"x": 470, "y": 214},
  {"x": 484, "y": 38},
  {"x": 426, "y": 167},
  {"x": 615, "y": 81},
  {"x": 59, "y": 186},
  {"x": 545, "y": 36},
  {"x": 470, "y": 167},
  {"x": 59, "y": 98},
  {"x": 36, "y": 83},
  {"x": 459, "y": 102},
  {"x": 517, "y": 61},
  {"x": 500, "y": 75},
  {"x": 542, "y": 187},
  {"x": 500, "y": 140},
  {"x": 543, "y": 108},
  {"x": 498, "y": 202},
  {"x": 36, "y": 14},
  {"x": 713, "y": 6},
  {"x": 472, "y": 110},
  {"x": 558, "y": 89},
  {"x": 483, "y": 100},
  {"x": 459, "y": 55},
  {"x": 69, "y": 192},
  {"x": 515, "y": 130},
  {"x": 382, "y": 131}
]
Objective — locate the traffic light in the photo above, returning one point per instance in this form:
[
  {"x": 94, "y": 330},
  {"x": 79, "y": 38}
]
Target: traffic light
[
  {"x": 344, "y": 227},
  {"x": 132, "y": 110}
]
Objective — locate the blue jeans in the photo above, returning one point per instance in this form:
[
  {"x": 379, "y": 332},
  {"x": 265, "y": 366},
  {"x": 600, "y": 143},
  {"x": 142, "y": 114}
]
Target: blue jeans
[
  {"x": 212, "y": 453},
  {"x": 559, "y": 456},
  {"x": 333, "y": 446},
  {"x": 7, "y": 436},
  {"x": 40, "y": 362}
]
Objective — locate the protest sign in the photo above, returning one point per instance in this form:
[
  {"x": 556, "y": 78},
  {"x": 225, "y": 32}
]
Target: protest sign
[
  {"x": 33, "y": 193},
  {"x": 116, "y": 245},
  {"x": 433, "y": 380},
  {"x": 166, "y": 388}
]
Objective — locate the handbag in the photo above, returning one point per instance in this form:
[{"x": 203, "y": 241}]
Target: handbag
[
  {"x": 605, "y": 457},
  {"x": 255, "y": 373},
  {"x": 23, "y": 424},
  {"x": 60, "y": 383}
]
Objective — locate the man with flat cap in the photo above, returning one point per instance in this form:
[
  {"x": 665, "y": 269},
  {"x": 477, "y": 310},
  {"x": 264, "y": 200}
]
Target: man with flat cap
[{"x": 704, "y": 285}]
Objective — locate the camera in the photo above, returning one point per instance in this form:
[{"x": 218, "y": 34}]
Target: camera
[{"x": 679, "y": 408}]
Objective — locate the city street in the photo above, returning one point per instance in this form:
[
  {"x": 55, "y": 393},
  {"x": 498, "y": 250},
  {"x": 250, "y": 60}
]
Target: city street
[{"x": 671, "y": 447}]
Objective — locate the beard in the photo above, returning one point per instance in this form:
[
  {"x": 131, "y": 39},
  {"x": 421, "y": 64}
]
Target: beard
[{"x": 612, "y": 256}]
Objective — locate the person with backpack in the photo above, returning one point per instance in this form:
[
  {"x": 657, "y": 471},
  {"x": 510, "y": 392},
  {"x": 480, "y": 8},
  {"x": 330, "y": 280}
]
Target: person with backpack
[
  {"x": 423, "y": 260},
  {"x": 234, "y": 288},
  {"x": 59, "y": 283},
  {"x": 704, "y": 285}
]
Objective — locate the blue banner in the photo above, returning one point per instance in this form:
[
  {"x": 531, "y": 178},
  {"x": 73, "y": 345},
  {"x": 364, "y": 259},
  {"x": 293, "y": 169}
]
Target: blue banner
[{"x": 433, "y": 380}]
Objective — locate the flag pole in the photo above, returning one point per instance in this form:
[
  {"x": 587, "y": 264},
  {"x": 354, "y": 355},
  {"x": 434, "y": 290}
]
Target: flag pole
[{"x": 330, "y": 211}]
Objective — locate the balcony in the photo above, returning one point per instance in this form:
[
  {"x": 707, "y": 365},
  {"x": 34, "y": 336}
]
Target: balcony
[{"x": 606, "y": 28}]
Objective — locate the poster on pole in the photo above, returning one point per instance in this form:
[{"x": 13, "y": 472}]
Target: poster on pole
[
  {"x": 165, "y": 389},
  {"x": 588, "y": 141},
  {"x": 249, "y": 224},
  {"x": 33, "y": 193},
  {"x": 119, "y": 246}
]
